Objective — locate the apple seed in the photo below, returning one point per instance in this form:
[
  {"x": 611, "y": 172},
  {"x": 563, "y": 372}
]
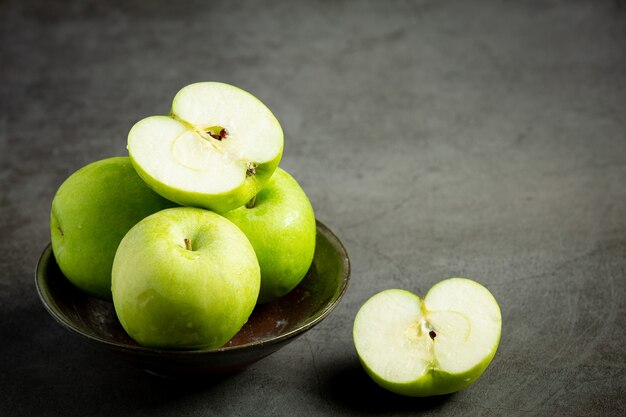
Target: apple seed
[
  {"x": 219, "y": 136},
  {"x": 216, "y": 132},
  {"x": 432, "y": 334}
]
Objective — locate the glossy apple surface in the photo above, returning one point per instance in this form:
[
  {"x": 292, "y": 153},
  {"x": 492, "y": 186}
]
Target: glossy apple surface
[
  {"x": 215, "y": 150},
  {"x": 184, "y": 278},
  {"x": 91, "y": 212},
  {"x": 280, "y": 224},
  {"x": 434, "y": 345}
]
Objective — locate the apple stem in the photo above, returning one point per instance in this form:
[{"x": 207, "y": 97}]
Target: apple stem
[
  {"x": 188, "y": 244},
  {"x": 251, "y": 169},
  {"x": 251, "y": 203}
]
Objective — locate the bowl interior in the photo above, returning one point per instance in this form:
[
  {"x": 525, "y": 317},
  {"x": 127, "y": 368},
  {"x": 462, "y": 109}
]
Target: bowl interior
[{"x": 270, "y": 326}]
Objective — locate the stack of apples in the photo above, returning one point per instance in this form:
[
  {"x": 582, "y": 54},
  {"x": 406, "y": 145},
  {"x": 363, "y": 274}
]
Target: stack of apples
[
  {"x": 194, "y": 228},
  {"x": 199, "y": 225}
]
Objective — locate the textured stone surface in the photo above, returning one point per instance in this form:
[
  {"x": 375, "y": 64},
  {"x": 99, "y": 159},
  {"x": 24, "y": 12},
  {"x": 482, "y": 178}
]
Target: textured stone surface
[{"x": 436, "y": 138}]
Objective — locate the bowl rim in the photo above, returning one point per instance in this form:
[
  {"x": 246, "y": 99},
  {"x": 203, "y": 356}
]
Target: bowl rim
[{"x": 52, "y": 307}]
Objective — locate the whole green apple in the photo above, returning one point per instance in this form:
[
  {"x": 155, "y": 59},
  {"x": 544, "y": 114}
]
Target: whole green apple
[
  {"x": 184, "y": 278},
  {"x": 280, "y": 224},
  {"x": 215, "y": 150},
  {"x": 434, "y": 345},
  {"x": 91, "y": 212}
]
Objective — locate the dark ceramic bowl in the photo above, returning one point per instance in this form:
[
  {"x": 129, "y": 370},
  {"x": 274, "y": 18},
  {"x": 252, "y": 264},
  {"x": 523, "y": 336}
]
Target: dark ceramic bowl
[{"x": 270, "y": 327}]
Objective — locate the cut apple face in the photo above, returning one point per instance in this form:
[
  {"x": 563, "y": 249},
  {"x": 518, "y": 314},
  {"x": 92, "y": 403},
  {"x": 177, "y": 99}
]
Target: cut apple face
[
  {"x": 426, "y": 346},
  {"x": 216, "y": 149}
]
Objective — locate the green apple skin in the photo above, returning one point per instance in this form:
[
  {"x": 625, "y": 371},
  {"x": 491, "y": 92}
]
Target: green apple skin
[
  {"x": 184, "y": 278},
  {"x": 435, "y": 381},
  {"x": 91, "y": 212},
  {"x": 219, "y": 203},
  {"x": 281, "y": 227}
]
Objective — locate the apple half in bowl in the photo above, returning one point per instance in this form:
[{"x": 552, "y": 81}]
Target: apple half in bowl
[
  {"x": 215, "y": 150},
  {"x": 270, "y": 326}
]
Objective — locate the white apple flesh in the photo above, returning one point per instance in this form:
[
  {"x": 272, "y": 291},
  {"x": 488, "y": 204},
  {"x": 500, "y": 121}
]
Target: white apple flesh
[
  {"x": 216, "y": 149},
  {"x": 434, "y": 345}
]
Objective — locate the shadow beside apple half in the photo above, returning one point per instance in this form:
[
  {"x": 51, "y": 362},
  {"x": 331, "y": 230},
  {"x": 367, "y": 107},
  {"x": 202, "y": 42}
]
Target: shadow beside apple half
[{"x": 270, "y": 327}]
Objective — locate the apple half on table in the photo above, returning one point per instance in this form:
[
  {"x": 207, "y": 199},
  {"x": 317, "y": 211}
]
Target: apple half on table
[
  {"x": 215, "y": 150},
  {"x": 434, "y": 345}
]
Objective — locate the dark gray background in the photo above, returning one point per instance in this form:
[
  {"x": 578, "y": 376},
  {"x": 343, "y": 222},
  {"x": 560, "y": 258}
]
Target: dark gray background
[{"x": 436, "y": 138}]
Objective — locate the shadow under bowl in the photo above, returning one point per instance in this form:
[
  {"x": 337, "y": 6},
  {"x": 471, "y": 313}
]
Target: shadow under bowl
[{"x": 270, "y": 326}]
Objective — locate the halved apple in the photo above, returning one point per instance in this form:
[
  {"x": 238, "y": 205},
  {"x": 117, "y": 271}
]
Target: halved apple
[
  {"x": 434, "y": 345},
  {"x": 215, "y": 150}
]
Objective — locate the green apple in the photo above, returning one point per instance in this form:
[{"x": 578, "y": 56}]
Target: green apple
[
  {"x": 215, "y": 150},
  {"x": 184, "y": 278},
  {"x": 280, "y": 224},
  {"x": 91, "y": 212},
  {"x": 434, "y": 345}
]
